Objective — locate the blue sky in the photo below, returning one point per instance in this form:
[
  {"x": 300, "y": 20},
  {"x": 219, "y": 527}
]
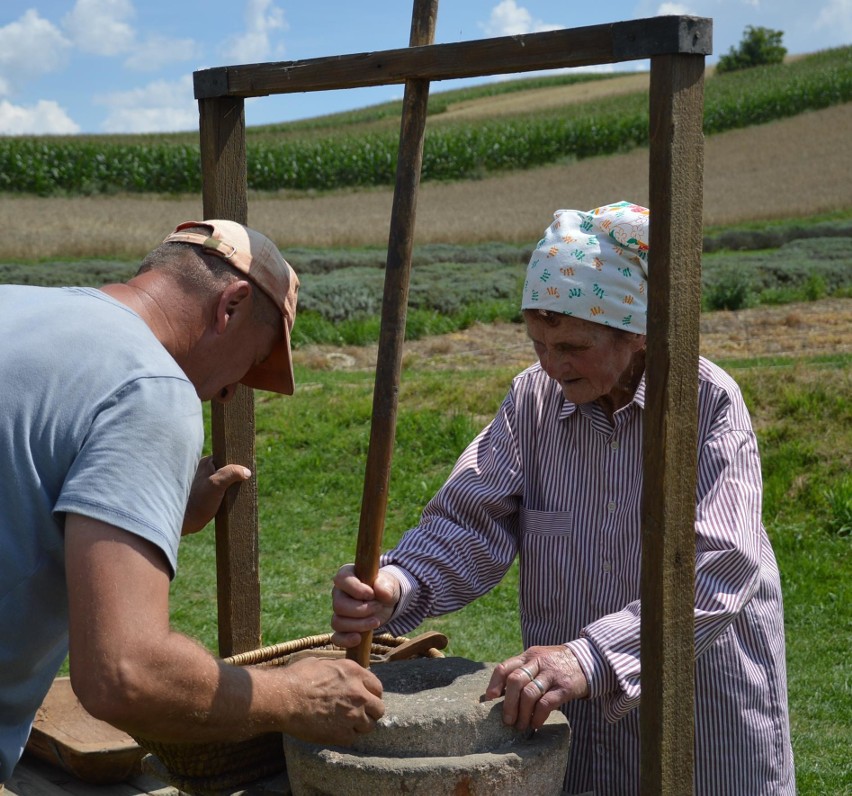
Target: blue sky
[{"x": 125, "y": 66}]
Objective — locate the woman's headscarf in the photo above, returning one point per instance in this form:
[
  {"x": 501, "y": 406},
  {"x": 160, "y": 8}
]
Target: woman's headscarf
[{"x": 593, "y": 265}]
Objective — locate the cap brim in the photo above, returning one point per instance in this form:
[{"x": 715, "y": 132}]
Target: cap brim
[{"x": 275, "y": 373}]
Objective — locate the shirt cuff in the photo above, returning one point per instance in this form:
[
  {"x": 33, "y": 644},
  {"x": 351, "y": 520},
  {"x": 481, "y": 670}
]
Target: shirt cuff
[
  {"x": 408, "y": 589},
  {"x": 600, "y": 677}
]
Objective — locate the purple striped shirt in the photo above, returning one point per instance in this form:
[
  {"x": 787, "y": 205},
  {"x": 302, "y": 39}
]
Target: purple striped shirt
[{"x": 559, "y": 486}]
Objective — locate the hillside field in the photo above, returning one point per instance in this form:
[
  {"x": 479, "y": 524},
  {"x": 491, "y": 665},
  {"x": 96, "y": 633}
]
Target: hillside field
[{"x": 791, "y": 168}]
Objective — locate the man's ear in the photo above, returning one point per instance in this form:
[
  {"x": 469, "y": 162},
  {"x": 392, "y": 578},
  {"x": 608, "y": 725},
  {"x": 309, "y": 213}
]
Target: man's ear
[{"x": 232, "y": 300}]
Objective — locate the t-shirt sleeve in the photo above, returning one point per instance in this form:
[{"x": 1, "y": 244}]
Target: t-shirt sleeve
[{"x": 136, "y": 465}]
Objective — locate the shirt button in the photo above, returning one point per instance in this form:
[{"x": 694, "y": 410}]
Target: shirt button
[
  {"x": 599, "y": 749},
  {"x": 610, "y": 506},
  {"x": 614, "y": 445},
  {"x": 607, "y": 566}
]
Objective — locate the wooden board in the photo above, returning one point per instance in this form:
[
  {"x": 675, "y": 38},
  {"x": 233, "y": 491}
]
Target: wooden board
[
  {"x": 65, "y": 735},
  {"x": 34, "y": 777}
]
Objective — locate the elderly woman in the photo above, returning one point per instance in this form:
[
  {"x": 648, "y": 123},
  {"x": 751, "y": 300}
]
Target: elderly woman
[{"x": 556, "y": 479}]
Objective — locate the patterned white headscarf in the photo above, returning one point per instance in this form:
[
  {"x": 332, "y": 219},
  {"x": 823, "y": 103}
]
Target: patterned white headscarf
[{"x": 593, "y": 265}]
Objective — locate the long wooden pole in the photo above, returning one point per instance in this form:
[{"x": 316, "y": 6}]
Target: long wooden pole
[
  {"x": 394, "y": 307},
  {"x": 225, "y": 195},
  {"x": 671, "y": 426}
]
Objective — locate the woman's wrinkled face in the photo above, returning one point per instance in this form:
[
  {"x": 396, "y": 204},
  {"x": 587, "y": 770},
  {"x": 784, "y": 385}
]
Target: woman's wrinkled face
[{"x": 590, "y": 361}]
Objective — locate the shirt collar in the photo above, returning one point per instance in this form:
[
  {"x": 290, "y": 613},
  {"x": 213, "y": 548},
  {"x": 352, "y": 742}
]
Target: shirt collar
[
  {"x": 639, "y": 395},
  {"x": 567, "y": 409}
]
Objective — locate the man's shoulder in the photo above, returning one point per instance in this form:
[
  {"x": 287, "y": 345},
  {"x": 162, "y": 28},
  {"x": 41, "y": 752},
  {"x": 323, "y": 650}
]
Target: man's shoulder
[{"x": 85, "y": 331}]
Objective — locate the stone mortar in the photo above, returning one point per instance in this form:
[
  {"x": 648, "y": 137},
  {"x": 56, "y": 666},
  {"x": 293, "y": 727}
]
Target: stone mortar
[{"x": 436, "y": 737}]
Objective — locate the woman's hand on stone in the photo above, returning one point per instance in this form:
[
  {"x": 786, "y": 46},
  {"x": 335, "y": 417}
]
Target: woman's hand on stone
[{"x": 536, "y": 682}]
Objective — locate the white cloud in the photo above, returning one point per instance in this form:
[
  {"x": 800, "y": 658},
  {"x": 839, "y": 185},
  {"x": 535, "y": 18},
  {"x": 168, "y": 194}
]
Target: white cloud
[
  {"x": 836, "y": 15},
  {"x": 45, "y": 117},
  {"x": 29, "y": 47},
  {"x": 101, "y": 27},
  {"x": 160, "y": 107},
  {"x": 509, "y": 19},
  {"x": 675, "y": 9},
  {"x": 254, "y": 46},
  {"x": 157, "y": 52}
]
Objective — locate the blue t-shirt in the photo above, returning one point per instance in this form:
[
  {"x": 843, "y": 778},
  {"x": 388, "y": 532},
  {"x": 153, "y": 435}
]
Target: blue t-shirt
[{"x": 97, "y": 419}]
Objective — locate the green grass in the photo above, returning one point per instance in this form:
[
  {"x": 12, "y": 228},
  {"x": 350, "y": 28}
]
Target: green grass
[{"x": 803, "y": 414}]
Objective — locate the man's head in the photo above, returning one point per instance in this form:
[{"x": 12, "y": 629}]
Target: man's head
[{"x": 228, "y": 251}]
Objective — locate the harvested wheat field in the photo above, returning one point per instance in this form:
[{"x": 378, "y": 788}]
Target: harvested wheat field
[{"x": 795, "y": 167}]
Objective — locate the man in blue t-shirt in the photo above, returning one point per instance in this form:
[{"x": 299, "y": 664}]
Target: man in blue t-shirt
[{"x": 100, "y": 439}]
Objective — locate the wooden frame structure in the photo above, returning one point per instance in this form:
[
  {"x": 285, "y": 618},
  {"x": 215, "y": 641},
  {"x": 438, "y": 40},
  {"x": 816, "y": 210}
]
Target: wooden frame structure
[{"x": 676, "y": 46}]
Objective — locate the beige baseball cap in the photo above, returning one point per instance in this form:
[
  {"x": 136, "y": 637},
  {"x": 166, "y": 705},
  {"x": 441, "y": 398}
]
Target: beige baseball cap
[{"x": 258, "y": 258}]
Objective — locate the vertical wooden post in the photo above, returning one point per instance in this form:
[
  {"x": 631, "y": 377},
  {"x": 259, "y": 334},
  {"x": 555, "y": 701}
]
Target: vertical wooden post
[
  {"x": 225, "y": 195},
  {"x": 671, "y": 425},
  {"x": 394, "y": 307}
]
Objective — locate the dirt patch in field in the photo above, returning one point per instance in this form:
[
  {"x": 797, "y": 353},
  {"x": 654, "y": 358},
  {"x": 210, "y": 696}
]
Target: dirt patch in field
[{"x": 803, "y": 329}]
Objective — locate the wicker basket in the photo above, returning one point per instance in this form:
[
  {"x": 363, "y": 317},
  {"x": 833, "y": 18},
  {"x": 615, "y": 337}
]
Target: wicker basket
[{"x": 214, "y": 769}]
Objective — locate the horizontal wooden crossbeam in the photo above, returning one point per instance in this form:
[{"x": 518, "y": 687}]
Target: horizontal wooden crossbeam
[{"x": 595, "y": 44}]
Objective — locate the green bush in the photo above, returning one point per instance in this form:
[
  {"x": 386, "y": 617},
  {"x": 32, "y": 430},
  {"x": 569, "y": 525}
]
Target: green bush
[
  {"x": 85, "y": 273},
  {"x": 774, "y": 235},
  {"x": 446, "y": 288},
  {"x": 800, "y": 270},
  {"x": 758, "y": 47},
  {"x": 730, "y": 290},
  {"x": 323, "y": 261}
]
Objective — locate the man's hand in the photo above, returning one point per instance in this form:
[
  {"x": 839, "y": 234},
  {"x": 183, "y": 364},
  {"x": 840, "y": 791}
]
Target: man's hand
[
  {"x": 536, "y": 682},
  {"x": 130, "y": 669},
  {"x": 336, "y": 700},
  {"x": 359, "y": 608},
  {"x": 208, "y": 489}
]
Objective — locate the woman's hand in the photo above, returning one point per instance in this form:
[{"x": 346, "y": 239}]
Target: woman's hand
[
  {"x": 359, "y": 608},
  {"x": 535, "y": 683}
]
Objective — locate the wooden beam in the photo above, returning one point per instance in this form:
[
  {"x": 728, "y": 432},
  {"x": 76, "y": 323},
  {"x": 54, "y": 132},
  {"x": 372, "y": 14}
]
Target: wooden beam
[
  {"x": 595, "y": 44},
  {"x": 671, "y": 425},
  {"x": 225, "y": 195},
  {"x": 394, "y": 308}
]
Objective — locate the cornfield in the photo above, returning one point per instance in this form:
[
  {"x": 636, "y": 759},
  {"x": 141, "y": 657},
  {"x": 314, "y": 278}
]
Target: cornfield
[{"x": 458, "y": 150}]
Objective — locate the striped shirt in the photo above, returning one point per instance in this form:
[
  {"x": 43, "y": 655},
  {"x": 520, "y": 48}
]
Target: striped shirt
[{"x": 559, "y": 485}]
